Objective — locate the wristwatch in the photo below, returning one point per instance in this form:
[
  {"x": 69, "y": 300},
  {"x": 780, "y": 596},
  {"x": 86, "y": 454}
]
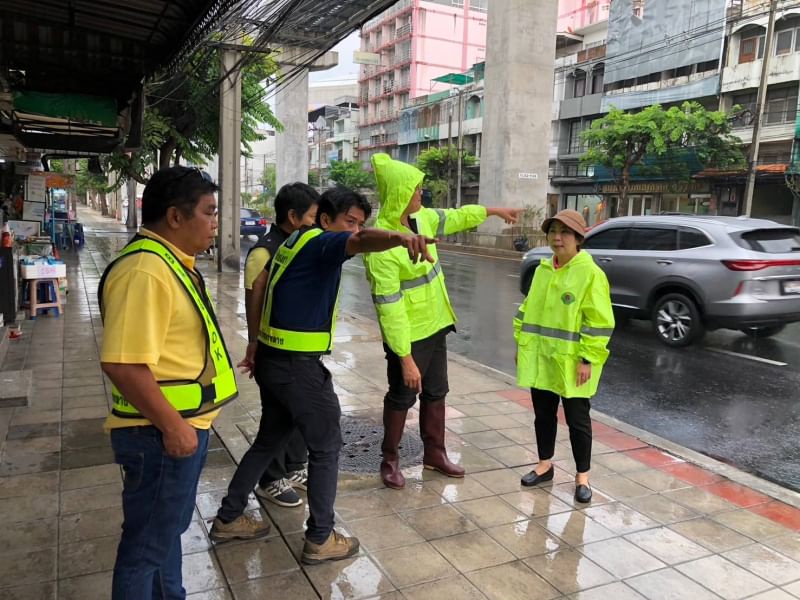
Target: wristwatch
[{"x": 584, "y": 361}]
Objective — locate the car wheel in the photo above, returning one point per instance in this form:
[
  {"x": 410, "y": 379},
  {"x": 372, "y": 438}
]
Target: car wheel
[
  {"x": 676, "y": 320},
  {"x": 762, "y": 332}
]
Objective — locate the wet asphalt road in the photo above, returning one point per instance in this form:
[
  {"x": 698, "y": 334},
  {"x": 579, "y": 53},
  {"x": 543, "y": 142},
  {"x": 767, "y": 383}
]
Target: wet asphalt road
[{"x": 731, "y": 407}]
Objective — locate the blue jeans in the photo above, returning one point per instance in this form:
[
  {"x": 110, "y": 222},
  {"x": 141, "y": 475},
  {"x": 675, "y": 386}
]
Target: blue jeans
[{"x": 158, "y": 499}]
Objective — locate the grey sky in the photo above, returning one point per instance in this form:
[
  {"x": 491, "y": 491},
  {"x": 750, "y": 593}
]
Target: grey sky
[{"x": 346, "y": 69}]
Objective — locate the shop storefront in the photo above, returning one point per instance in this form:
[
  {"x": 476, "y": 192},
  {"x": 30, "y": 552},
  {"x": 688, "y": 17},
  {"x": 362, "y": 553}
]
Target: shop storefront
[{"x": 652, "y": 198}]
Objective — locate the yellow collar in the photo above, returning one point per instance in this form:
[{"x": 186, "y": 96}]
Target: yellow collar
[{"x": 186, "y": 259}]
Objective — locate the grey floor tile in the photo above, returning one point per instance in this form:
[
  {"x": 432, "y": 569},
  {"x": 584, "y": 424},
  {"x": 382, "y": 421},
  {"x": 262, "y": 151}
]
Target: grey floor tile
[
  {"x": 723, "y": 577},
  {"x": 669, "y": 584},
  {"x": 766, "y": 563}
]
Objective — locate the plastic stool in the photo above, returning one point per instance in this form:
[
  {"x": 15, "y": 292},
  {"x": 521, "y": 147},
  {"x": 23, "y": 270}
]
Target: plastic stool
[{"x": 47, "y": 289}]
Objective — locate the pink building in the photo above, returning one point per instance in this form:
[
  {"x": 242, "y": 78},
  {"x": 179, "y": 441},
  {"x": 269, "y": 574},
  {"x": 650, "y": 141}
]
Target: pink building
[
  {"x": 574, "y": 15},
  {"x": 417, "y": 41}
]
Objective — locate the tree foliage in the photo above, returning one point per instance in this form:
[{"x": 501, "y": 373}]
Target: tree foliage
[
  {"x": 268, "y": 180},
  {"x": 434, "y": 162},
  {"x": 440, "y": 166},
  {"x": 659, "y": 143},
  {"x": 350, "y": 175},
  {"x": 181, "y": 118}
]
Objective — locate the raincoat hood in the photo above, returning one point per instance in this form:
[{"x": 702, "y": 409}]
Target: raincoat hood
[{"x": 397, "y": 182}]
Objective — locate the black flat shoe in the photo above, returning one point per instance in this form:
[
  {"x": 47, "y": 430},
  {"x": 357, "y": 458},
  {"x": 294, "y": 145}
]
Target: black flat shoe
[
  {"x": 533, "y": 479},
  {"x": 583, "y": 494}
]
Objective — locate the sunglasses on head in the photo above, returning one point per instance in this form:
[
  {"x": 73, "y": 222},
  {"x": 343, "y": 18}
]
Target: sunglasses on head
[{"x": 194, "y": 170}]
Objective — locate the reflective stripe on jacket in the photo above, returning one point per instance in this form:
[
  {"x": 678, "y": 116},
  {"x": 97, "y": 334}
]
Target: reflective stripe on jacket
[
  {"x": 309, "y": 342},
  {"x": 410, "y": 299},
  {"x": 566, "y": 316},
  {"x": 190, "y": 398}
]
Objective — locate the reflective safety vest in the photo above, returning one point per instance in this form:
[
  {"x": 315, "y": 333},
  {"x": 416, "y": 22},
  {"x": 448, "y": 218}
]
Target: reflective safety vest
[
  {"x": 308, "y": 342},
  {"x": 190, "y": 398},
  {"x": 566, "y": 318}
]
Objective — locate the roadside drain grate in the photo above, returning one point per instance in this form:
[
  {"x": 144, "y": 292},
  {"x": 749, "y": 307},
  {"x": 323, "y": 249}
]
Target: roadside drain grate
[{"x": 361, "y": 446}]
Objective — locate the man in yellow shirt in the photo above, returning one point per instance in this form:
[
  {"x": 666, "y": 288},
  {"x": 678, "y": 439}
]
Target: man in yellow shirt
[
  {"x": 295, "y": 207},
  {"x": 170, "y": 373}
]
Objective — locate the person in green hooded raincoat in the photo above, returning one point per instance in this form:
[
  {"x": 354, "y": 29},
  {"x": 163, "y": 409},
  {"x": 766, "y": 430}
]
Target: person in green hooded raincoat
[{"x": 415, "y": 314}]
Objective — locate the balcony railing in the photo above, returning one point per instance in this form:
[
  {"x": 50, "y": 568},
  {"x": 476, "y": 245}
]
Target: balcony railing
[
  {"x": 735, "y": 9},
  {"x": 592, "y": 53},
  {"x": 401, "y": 58},
  {"x": 404, "y": 31}
]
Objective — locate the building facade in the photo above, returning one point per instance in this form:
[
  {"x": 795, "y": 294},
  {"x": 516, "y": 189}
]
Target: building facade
[
  {"x": 414, "y": 43},
  {"x": 743, "y": 61},
  {"x": 333, "y": 133}
]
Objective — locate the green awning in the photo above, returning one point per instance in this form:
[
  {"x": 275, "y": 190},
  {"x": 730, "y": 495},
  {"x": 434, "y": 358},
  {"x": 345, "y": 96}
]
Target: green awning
[
  {"x": 93, "y": 110},
  {"x": 455, "y": 78}
]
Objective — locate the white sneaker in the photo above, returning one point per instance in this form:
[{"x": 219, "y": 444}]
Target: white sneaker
[
  {"x": 298, "y": 479},
  {"x": 279, "y": 492}
]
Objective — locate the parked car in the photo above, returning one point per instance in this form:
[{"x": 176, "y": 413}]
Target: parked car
[
  {"x": 689, "y": 274},
  {"x": 251, "y": 222}
]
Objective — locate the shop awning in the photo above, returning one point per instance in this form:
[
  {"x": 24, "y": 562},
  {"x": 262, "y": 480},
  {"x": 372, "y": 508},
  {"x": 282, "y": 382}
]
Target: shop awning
[
  {"x": 455, "y": 78},
  {"x": 776, "y": 169}
]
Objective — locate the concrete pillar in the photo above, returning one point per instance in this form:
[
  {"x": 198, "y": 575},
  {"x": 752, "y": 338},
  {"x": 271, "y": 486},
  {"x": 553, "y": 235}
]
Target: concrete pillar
[
  {"x": 291, "y": 108},
  {"x": 515, "y": 153},
  {"x": 230, "y": 148}
]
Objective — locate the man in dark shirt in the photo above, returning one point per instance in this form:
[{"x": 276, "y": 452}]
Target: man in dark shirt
[
  {"x": 295, "y": 208},
  {"x": 297, "y": 328}
]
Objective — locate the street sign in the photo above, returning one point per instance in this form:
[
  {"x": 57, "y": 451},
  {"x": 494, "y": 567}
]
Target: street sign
[
  {"x": 366, "y": 58},
  {"x": 529, "y": 176}
]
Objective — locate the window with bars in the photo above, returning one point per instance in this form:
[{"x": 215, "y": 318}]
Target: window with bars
[
  {"x": 781, "y": 106},
  {"x": 575, "y": 144},
  {"x": 751, "y": 48},
  {"x": 580, "y": 85}
]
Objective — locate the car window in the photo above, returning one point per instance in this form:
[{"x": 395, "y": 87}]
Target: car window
[
  {"x": 772, "y": 241},
  {"x": 689, "y": 237},
  {"x": 660, "y": 239},
  {"x": 607, "y": 239},
  {"x": 244, "y": 213}
]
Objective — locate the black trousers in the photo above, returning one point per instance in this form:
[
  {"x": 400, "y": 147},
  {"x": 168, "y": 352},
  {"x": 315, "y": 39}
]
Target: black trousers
[
  {"x": 293, "y": 459},
  {"x": 430, "y": 355},
  {"x": 545, "y": 423},
  {"x": 298, "y": 393}
]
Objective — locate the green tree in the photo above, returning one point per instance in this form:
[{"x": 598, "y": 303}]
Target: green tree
[
  {"x": 351, "y": 174},
  {"x": 437, "y": 164},
  {"x": 314, "y": 178},
  {"x": 268, "y": 179},
  {"x": 658, "y": 142},
  {"x": 181, "y": 118}
]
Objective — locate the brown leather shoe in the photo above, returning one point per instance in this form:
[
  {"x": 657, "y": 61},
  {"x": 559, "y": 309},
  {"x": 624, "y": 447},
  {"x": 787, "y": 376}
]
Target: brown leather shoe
[
  {"x": 336, "y": 547},
  {"x": 431, "y": 428},
  {"x": 394, "y": 421},
  {"x": 244, "y": 527}
]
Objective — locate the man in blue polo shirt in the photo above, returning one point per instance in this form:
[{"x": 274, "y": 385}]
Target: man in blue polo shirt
[{"x": 297, "y": 328}]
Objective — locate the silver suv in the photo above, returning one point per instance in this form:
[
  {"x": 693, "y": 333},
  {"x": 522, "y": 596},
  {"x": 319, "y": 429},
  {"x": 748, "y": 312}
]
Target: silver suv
[{"x": 692, "y": 273}]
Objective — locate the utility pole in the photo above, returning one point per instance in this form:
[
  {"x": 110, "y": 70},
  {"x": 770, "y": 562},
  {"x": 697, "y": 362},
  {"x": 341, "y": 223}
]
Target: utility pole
[
  {"x": 752, "y": 157},
  {"x": 449, "y": 152},
  {"x": 460, "y": 147}
]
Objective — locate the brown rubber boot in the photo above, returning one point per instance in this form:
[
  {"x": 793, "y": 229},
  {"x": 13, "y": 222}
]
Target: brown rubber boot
[
  {"x": 394, "y": 421},
  {"x": 431, "y": 429}
]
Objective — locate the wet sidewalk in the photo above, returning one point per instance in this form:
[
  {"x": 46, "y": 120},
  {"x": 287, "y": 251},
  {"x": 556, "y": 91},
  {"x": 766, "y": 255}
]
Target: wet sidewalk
[{"x": 663, "y": 523}]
